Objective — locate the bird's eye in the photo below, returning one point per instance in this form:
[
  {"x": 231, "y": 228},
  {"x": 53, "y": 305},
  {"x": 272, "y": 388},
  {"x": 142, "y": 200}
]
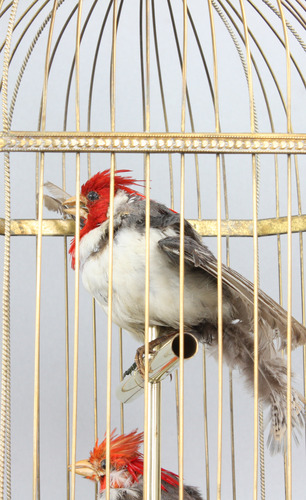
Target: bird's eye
[
  {"x": 103, "y": 464},
  {"x": 92, "y": 196}
]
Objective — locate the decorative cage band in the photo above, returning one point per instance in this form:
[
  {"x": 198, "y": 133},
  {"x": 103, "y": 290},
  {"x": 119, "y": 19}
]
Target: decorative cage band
[{"x": 152, "y": 142}]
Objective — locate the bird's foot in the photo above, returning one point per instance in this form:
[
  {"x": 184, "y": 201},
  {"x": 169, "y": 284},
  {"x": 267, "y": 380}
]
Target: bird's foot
[{"x": 140, "y": 353}]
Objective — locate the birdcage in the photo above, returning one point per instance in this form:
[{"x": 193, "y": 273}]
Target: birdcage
[{"x": 204, "y": 102}]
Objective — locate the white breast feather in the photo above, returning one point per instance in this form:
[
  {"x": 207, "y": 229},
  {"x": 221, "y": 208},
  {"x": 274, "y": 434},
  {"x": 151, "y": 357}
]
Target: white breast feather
[
  {"x": 90, "y": 242},
  {"x": 200, "y": 298}
]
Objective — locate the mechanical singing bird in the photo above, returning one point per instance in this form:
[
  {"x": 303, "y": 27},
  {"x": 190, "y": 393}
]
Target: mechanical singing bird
[
  {"x": 200, "y": 287},
  {"x": 126, "y": 470}
]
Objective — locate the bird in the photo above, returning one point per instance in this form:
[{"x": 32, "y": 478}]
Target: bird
[
  {"x": 200, "y": 289},
  {"x": 126, "y": 470}
]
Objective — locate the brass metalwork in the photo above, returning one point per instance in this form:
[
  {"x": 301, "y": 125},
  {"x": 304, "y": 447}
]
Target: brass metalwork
[
  {"x": 110, "y": 260},
  {"x": 94, "y": 361},
  {"x": 154, "y": 441},
  {"x": 162, "y": 362},
  {"x": 67, "y": 368},
  {"x": 36, "y": 410},
  {"x": 219, "y": 256},
  {"x": 231, "y": 391},
  {"x": 206, "y": 442},
  {"x": 262, "y": 452},
  {"x": 5, "y": 411},
  {"x": 255, "y": 247},
  {"x": 29, "y": 227},
  {"x": 77, "y": 257},
  {"x": 121, "y": 378},
  {"x": 289, "y": 261},
  {"x": 266, "y": 227},
  {"x": 149, "y": 142},
  {"x": 149, "y": 333},
  {"x": 220, "y": 144},
  {"x": 182, "y": 262}
]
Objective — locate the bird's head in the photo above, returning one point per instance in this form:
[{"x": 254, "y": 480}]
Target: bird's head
[
  {"x": 94, "y": 200},
  {"x": 126, "y": 462}
]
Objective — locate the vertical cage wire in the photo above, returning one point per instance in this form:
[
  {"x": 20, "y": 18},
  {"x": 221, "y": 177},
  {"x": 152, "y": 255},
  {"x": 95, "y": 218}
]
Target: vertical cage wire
[
  {"x": 77, "y": 256},
  {"x": 147, "y": 337},
  {"x": 181, "y": 260},
  {"x": 289, "y": 277},
  {"x": 255, "y": 252},
  {"x": 5, "y": 417},
  {"x": 36, "y": 411},
  {"x": 219, "y": 256}
]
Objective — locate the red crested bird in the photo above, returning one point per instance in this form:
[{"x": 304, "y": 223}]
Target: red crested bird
[
  {"x": 126, "y": 470},
  {"x": 200, "y": 287}
]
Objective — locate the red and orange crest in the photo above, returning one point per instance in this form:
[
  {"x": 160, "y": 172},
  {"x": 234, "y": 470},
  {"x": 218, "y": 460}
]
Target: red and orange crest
[{"x": 123, "y": 449}]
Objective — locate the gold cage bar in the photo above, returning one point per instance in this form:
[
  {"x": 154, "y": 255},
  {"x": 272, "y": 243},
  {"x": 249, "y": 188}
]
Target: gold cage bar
[{"x": 231, "y": 227}]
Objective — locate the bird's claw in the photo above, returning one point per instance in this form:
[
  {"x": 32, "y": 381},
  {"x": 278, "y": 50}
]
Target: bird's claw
[
  {"x": 140, "y": 359},
  {"x": 139, "y": 363},
  {"x": 140, "y": 353}
]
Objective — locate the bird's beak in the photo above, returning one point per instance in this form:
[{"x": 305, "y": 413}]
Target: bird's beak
[
  {"x": 86, "y": 469},
  {"x": 70, "y": 206}
]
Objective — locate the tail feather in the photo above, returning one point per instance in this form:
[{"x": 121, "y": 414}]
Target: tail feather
[
  {"x": 238, "y": 348},
  {"x": 277, "y": 439}
]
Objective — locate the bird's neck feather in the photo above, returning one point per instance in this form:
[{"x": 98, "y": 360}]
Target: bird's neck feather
[
  {"x": 124, "y": 478},
  {"x": 100, "y": 213}
]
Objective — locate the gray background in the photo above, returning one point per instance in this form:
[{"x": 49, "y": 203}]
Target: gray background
[{"x": 234, "y": 117}]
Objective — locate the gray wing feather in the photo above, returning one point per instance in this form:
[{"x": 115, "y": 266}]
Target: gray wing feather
[
  {"x": 172, "y": 493},
  {"x": 198, "y": 255}
]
